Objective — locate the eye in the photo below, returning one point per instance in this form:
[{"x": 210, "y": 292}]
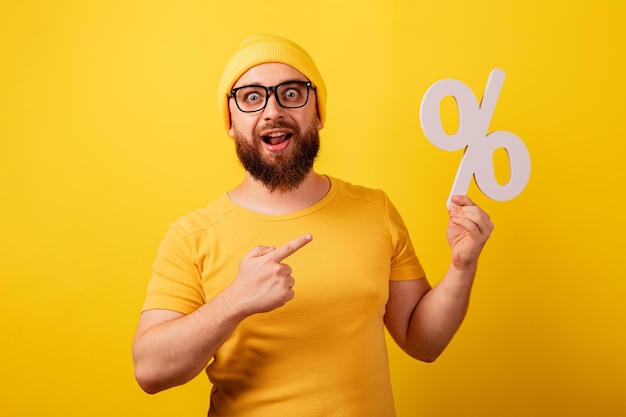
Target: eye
[
  {"x": 292, "y": 93},
  {"x": 253, "y": 97},
  {"x": 250, "y": 95}
]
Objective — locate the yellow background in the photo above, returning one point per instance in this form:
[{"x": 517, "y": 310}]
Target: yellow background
[{"x": 109, "y": 131}]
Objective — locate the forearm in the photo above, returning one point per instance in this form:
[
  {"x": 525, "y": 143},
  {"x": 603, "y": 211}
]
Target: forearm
[
  {"x": 174, "y": 351},
  {"x": 423, "y": 320},
  {"x": 439, "y": 314},
  {"x": 171, "y": 348}
]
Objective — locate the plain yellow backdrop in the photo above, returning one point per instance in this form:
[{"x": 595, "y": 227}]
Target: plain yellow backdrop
[{"x": 109, "y": 131}]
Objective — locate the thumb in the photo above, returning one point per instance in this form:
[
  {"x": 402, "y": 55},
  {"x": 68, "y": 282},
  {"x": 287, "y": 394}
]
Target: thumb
[{"x": 259, "y": 250}]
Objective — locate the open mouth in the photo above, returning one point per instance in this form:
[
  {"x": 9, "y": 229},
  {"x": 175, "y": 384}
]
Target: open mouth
[{"x": 276, "y": 138}]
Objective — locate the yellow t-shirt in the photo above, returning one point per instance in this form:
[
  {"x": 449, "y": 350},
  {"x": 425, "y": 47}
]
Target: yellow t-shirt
[{"x": 324, "y": 352}]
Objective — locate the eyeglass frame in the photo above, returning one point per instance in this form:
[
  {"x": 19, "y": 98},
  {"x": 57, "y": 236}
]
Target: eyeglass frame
[{"x": 308, "y": 84}]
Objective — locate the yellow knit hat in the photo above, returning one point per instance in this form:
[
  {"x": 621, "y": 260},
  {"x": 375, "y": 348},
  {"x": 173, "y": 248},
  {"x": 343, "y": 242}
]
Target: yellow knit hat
[{"x": 260, "y": 49}]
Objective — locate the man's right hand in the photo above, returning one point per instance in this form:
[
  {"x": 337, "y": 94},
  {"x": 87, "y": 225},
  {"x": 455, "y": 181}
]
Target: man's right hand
[{"x": 263, "y": 283}]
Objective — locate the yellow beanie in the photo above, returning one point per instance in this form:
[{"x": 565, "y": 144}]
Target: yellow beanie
[{"x": 260, "y": 49}]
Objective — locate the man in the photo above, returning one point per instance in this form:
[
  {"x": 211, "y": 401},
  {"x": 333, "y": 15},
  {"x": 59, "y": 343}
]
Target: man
[{"x": 295, "y": 328}]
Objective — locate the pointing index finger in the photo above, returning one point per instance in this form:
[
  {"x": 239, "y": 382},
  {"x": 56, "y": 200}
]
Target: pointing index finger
[{"x": 290, "y": 247}]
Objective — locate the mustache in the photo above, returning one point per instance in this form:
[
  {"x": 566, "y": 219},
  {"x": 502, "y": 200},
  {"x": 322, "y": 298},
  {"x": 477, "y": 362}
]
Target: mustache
[{"x": 279, "y": 124}]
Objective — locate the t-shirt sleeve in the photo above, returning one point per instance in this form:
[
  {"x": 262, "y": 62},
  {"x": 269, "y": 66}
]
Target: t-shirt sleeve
[
  {"x": 176, "y": 281},
  {"x": 405, "y": 264}
]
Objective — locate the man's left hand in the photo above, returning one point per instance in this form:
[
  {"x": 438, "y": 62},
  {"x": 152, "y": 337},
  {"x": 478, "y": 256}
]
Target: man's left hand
[{"x": 468, "y": 231}]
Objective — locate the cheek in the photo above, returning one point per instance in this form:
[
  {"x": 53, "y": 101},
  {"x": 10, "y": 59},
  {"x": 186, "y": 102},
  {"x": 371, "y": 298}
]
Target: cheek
[
  {"x": 239, "y": 121},
  {"x": 243, "y": 124}
]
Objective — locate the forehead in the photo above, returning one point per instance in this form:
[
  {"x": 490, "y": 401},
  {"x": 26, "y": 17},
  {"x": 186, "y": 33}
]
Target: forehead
[{"x": 268, "y": 74}]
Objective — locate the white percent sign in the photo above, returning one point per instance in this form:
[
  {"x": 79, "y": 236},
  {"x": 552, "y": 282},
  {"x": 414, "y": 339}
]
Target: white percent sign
[{"x": 472, "y": 134}]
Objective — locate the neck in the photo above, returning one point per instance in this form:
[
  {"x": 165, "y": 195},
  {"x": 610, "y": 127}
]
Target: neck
[{"x": 253, "y": 195}]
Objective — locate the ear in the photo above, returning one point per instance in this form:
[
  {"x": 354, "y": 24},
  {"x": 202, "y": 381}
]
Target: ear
[
  {"x": 320, "y": 125},
  {"x": 231, "y": 131}
]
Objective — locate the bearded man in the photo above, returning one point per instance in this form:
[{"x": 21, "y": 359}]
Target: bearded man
[{"x": 282, "y": 324}]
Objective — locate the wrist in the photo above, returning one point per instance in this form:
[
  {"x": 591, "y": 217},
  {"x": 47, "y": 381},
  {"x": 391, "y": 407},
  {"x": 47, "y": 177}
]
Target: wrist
[
  {"x": 464, "y": 267},
  {"x": 463, "y": 271},
  {"x": 230, "y": 305}
]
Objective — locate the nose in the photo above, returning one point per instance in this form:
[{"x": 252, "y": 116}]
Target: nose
[{"x": 272, "y": 109}]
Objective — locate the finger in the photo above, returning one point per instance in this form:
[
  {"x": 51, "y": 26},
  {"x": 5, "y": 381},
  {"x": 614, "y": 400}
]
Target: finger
[
  {"x": 474, "y": 222},
  {"x": 291, "y": 247},
  {"x": 468, "y": 209},
  {"x": 462, "y": 200},
  {"x": 259, "y": 251},
  {"x": 474, "y": 212}
]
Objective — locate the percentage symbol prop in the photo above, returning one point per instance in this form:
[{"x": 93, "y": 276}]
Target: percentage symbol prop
[{"x": 474, "y": 120}]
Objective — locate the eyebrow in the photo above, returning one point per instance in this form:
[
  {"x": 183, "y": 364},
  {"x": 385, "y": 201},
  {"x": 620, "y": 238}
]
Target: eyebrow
[{"x": 262, "y": 85}]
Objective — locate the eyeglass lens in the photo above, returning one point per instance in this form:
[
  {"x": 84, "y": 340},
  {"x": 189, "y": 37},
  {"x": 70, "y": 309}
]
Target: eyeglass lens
[{"x": 254, "y": 98}]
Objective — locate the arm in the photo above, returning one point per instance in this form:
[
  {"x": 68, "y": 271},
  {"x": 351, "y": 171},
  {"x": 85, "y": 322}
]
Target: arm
[
  {"x": 423, "y": 320},
  {"x": 171, "y": 348}
]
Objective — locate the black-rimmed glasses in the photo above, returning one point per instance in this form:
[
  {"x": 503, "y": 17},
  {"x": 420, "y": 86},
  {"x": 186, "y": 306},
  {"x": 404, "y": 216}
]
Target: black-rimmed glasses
[{"x": 290, "y": 94}]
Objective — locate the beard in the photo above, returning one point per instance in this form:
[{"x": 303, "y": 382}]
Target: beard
[{"x": 283, "y": 171}]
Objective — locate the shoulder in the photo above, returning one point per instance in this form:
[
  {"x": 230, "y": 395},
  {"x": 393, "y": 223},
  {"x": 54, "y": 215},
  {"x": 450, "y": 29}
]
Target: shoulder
[
  {"x": 370, "y": 199},
  {"x": 359, "y": 192},
  {"x": 204, "y": 218}
]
